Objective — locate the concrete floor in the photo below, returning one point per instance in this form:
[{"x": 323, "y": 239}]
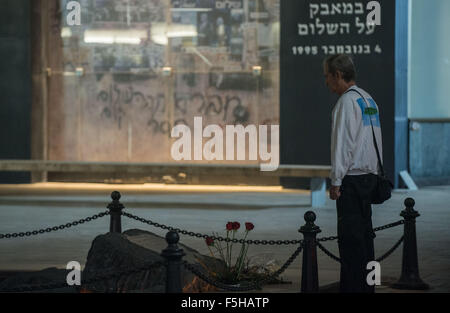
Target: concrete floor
[{"x": 276, "y": 214}]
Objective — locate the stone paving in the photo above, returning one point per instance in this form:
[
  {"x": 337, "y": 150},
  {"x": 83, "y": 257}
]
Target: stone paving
[{"x": 276, "y": 213}]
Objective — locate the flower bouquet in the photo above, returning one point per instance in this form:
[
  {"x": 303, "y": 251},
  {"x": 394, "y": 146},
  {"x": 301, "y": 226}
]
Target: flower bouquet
[{"x": 232, "y": 271}]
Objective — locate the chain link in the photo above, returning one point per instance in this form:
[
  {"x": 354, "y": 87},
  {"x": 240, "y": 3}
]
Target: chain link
[
  {"x": 252, "y": 286},
  {"x": 331, "y": 238},
  {"x": 86, "y": 282},
  {"x": 199, "y": 235},
  {"x": 327, "y": 252},
  {"x": 54, "y": 228},
  {"x": 390, "y": 251},
  {"x": 384, "y": 256},
  {"x": 389, "y": 225}
]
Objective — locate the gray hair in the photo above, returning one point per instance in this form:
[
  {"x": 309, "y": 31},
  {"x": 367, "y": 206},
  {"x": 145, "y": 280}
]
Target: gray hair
[{"x": 342, "y": 63}]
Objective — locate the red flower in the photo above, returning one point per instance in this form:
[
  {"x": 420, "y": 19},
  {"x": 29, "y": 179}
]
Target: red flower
[
  {"x": 229, "y": 226},
  {"x": 236, "y": 225},
  {"x": 249, "y": 226},
  {"x": 209, "y": 241}
]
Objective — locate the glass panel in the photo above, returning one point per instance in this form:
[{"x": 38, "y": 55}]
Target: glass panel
[{"x": 134, "y": 69}]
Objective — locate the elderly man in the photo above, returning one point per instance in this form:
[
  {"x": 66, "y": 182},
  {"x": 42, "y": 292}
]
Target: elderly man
[{"x": 355, "y": 122}]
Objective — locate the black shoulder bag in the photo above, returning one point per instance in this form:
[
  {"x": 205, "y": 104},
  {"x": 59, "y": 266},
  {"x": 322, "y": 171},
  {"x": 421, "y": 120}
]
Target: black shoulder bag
[{"x": 384, "y": 186}]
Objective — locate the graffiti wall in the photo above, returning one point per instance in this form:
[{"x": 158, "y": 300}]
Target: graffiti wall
[{"x": 117, "y": 103}]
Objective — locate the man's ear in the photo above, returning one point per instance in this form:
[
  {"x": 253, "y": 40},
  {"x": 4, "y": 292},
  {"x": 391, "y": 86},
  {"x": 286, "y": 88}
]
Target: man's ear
[{"x": 339, "y": 75}]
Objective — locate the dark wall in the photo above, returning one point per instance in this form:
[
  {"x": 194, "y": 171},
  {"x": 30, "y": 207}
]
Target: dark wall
[
  {"x": 15, "y": 85},
  {"x": 305, "y": 101}
]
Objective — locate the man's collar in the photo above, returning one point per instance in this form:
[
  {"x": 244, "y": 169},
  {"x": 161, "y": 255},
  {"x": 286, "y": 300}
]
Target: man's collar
[{"x": 350, "y": 88}]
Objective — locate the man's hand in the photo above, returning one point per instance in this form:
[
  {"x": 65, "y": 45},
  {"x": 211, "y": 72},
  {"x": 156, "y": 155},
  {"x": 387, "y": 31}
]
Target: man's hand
[{"x": 335, "y": 192}]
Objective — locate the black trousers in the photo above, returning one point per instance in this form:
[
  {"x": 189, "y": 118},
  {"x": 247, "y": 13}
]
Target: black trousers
[{"x": 355, "y": 232}]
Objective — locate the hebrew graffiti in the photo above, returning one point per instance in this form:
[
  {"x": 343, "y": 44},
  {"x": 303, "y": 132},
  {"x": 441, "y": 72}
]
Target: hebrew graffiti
[{"x": 117, "y": 101}]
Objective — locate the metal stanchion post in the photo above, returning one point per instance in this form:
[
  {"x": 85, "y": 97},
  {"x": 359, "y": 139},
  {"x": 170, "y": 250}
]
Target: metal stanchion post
[
  {"x": 173, "y": 255},
  {"x": 310, "y": 275},
  {"x": 115, "y": 211},
  {"x": 410, "y": 278}
]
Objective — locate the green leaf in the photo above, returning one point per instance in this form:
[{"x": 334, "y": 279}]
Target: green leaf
[{"x": 370, "y": 111}]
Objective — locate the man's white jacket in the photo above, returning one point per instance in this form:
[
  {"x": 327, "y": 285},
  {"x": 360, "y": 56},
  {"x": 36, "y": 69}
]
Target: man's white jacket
[{"x": 352, "y": 146}]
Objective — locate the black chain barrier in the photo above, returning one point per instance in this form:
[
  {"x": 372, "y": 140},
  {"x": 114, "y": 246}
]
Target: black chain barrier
[
  {"x": 401, "y": 222},
  {"x": 54, "y": 228},
  {"x": 87, "y": 281},
  {"x": 115, "y": 211},
  {"x": 252, "y": 286},
  {"x": 389, "y": 252},
  {"x": 199, "y": 235},
  {"x": 331, "y": 238},
  {"x": 384, "y": 256},
  {"x": 327, "y": 252},
  {"x": 249, "y": 241}
]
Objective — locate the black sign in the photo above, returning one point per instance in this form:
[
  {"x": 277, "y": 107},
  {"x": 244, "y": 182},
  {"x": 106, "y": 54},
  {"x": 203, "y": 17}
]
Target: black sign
[{"x": 311, "y": 31}]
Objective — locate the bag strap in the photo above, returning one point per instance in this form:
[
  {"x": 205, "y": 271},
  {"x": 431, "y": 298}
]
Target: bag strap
[{"x": 373, "y": 133}]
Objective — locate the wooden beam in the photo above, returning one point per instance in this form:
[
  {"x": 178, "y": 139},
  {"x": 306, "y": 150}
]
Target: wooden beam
[
  {"x": 164, "y": 168},
  {"x": 39, "y": 33}
]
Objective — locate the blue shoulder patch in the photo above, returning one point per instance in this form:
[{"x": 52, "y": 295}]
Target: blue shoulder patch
[{"x": 368, "y": 114}]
